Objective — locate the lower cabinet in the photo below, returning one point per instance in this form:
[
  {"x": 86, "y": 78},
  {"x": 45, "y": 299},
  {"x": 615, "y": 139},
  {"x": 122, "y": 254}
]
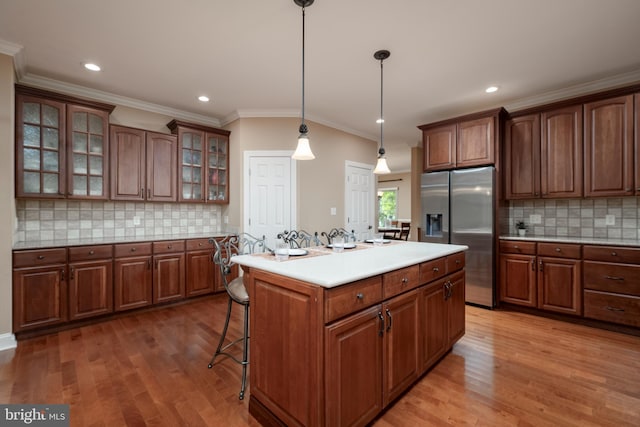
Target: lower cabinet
[
  {"x": 201, "y": 270},
  {"x": 168, "y": 271},
  {"x": 39, "y": 289},
  {"x": 133, "y": 276},
  {"x": 547, "y": 276},
  {"x": 90, "y": 281}
]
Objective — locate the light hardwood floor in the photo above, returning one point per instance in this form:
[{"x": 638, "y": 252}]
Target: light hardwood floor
[{"x": 510, "y": 369}]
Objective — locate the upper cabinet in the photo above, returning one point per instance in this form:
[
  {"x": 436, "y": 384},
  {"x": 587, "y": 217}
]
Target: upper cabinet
[
  {"x": 203, "y": 164},
  {"x": 608, "y": 147},
  {"x": 522, "y": 157},
  {"x": 144, "y": 165},
  {"x": 462, "y": 142},
  {"x": 62, "y": 146}
]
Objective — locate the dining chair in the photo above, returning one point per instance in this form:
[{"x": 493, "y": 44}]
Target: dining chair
[
  {"x": 300, "y": 238},
  {"x": 334, "y": 232},
  {"x": 224, "y": 251},
  {"x": 405, "y": 228}
]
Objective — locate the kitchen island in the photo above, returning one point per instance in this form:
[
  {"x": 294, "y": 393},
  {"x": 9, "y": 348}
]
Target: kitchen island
[{"x": 337, "y": 337}]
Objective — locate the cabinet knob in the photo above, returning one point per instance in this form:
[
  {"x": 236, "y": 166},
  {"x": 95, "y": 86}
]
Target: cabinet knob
[
  {"x": 40, "y": 256},
  {"x": 200, "y": 244},
  {"x": 558, "y": 250},
  {"x": 457, "y": 262},
  {"x": 614, "y": 253},
  {"x": 133, "y": 249},
  {"x": 168, "y": 246},
  {"x": 91, "y": 252},
  {"x": 516, "y": 247},
  {"x": 360, "y": 295},
  {"x": 436, "y": 269},
  {"x": 404, "y": 280}
]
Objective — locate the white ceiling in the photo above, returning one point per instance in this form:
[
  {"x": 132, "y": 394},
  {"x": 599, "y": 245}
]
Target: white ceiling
[{"x": 246, "y": 56}]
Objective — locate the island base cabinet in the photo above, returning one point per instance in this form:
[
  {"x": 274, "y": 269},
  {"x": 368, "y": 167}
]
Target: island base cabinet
[{"x": 353, "y": 354}]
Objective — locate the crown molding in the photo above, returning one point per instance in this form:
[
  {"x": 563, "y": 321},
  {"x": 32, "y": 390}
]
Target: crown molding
[
  {"x": 17, "y": 52},
  {"x": 85, "y": 92},
  {"x": 581, "y": 89},
  {"x": 8, "y": 48}
]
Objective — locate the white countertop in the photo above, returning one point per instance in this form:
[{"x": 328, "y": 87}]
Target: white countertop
[
  {"x": 577, "y": 240},
  {"x": 336, "y": 269}
]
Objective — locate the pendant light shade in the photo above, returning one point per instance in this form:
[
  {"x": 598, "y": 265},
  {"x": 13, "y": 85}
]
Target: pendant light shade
[
  {"x": 381, "y": 166},
  {"x": 303, "y": 150}
]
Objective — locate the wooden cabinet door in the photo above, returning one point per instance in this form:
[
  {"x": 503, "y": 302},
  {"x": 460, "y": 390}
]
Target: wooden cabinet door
[
  {"x": 40, "y": 147},
  {"x": 132, "y": 282},
  {"x": 200, "y": 273},
  {"x": 456, "y": 308},
  {"x": 168, "y": 277},
  {"x": 128, "y": 163},
  {"x": 561, "y": 153},
  {"x": 476, "y": 143},
  {"x": 560, "y": 285},
  {"x": 608, "y": 147},
  {"x": 39, "y": 297},
  {"x": 87, "y": 153},
  {"x": 518, "y": 279},
  {"x": 353, "y": 368},
  {"x": 400, "y": 358},
  {"x": 191, "y": 183},
  {"x": 522, "y": 157},
  {"x": 433, "y": 324},
  {"x": 217, "y": 168},
  {"x": 439, "y": 148},
  {"x": 161, "y": 167},
  {"x": 90, "y": 288}
]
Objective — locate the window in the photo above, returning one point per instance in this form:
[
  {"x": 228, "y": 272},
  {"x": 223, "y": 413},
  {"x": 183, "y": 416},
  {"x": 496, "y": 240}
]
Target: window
[{"x": 387, "y": 205}]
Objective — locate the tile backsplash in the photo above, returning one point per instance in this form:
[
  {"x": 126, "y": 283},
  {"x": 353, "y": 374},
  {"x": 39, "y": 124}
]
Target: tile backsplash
[
  {"x": 612, "y": 218},
  {"x": 65, "y": 219}
]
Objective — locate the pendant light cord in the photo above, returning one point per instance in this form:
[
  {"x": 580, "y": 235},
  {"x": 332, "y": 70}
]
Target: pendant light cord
[
  {"x": 381, "y": 115},
  {"x": 302, "y": 124}
]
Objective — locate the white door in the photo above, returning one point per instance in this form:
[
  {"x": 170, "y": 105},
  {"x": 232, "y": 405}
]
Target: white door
[
  {"x": 269, "y": 203},
  {"x": 359, "y": 199}
]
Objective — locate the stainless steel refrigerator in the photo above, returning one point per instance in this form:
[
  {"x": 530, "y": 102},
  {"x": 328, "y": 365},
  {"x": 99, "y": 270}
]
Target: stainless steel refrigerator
[{"x": 458, "y": 207}]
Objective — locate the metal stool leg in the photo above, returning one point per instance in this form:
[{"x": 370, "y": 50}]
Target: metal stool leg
[
  {"x": 223, "y": 336},
  {"x": 245, "y": 351}
]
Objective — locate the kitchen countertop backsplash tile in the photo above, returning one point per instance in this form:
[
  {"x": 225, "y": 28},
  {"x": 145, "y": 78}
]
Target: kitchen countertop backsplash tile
[
  {"x": 603, "y": 220},
  {"x": 46, "y": 223}
]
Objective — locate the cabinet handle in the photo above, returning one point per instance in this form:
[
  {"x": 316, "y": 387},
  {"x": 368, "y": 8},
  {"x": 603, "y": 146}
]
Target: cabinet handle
[
  {"x": 41, "y": 257},
  {"x": 360, "y": 295},
  {"x": 149, "y": 264},
  {"x": 533, "y": 265},
  {"x": 70, "y": 273},
  {"x": 62, "y": 275},
  {"x": 614, "y": 278},
  {"x": 390, "y": 320},
  {"x": 381, "y": 330},
  {"x": 156, "y": 264},
  {"x": 619, "y": 310},
  {"x": 540, "y": 264},
  {"x": 436, "y": 269},
  {"x": 142, "y": 193},
  {"x": 148, "y": 193}
]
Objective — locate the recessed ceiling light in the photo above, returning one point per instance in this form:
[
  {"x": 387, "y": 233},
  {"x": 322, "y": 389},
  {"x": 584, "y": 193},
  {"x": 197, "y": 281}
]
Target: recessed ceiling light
[
  {"x": 92, "y": 67},
  {"x": 491, "y": 89},
  {"x": 203, "y": 98}
]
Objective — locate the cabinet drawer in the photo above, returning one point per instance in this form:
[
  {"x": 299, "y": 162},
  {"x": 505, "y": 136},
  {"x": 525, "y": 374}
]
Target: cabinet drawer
[
  {"x": 132, "y": 249},
  {"x": 84, "y": 253},
  {"x": 618, "y": 278},
  {"x": 404, "y": 279},
  {"x": 615, "y": 308},
  {"x": 518, "y": 247},
  {"x": 612, "y": 254},
  {"x": 560, "y": 250},
  {"x": 39, "y": 257},
  {"x": 433, "y": 269},
  {"x": 455, "y": 262},
  {"x": 199, "y": 244},
  {"x": 168, "y": 246},
  {"x": 348, "y": 299}
]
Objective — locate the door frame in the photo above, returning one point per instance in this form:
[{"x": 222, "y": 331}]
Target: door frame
[{"x": 246, "y": 186}]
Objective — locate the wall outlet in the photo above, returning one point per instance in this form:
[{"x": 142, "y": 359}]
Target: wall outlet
[
  {"x": 136, "y": 220},
  {"x": 333, "y": 211},
  {"x": 610, "y": 220},
  {"x": 535, "y": 219}
]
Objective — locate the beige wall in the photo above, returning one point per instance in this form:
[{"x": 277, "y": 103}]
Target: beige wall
[
  {"x": 320, "y": 182},
  {"x": 7, "y": 203}
]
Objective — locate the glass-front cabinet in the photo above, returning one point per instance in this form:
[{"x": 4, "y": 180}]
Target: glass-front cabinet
[
  {"x": 61, "y": 146},
  {"x": 204, "y": 165}
]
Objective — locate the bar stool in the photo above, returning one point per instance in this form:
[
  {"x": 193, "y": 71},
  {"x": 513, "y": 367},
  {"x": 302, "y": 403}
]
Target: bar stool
[{"x": 225, "y": 250}]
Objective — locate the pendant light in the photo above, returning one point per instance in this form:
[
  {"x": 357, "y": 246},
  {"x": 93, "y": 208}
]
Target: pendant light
[
  {"x": 381, "y": 166},
  {"x": 303, "y": 150}
]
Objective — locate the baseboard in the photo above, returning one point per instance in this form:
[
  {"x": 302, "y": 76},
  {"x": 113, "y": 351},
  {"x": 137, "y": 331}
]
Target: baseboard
[{"x": 7, "y": 341}]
